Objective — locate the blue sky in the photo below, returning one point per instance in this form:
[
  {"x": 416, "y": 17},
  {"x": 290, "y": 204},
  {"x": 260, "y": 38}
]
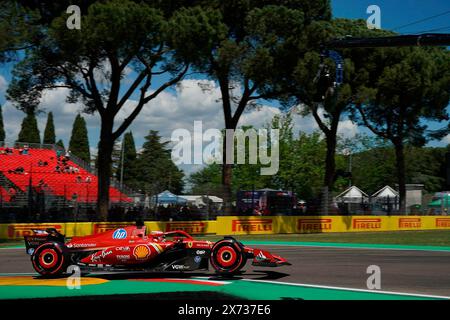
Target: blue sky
[
  {"x": 396, "y": 13},
  {"x": 180, "y": 108}
]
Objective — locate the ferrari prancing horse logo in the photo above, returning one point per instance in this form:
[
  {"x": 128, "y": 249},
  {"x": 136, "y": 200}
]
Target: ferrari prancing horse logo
[{"x": 141, "y": 252}]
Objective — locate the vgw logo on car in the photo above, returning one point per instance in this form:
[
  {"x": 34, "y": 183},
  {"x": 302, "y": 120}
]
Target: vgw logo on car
[{"x": 120, "y": 234}]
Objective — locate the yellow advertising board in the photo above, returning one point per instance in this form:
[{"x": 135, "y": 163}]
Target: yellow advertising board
[
  {"x": 319, "y": 224},
  {"x": 19, "y": 230},
  {"x": 234, "y": 225}
]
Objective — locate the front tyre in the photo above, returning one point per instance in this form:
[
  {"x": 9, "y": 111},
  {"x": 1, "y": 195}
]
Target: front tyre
[
  {"x": 49, "y": 259},
  {"x": 227, "y": 256}
]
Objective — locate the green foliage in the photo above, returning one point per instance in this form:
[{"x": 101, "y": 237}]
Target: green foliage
[
  {"x": 18, "y": 29},
  {"x": 157, "y": 172},
  {"x": 79, "y": 141},
  {"x": 60, "y": 143},
  {"x": 407, "y": 86},
  {"x": 49, "y": 132},
  {"x": 115, "y": 36},
  {"x": 29, "y": 131},
  {"x": 373, "y": 169},
  {"x": 301, "y": 166},
  {"x": 206, "y": 180},
  {"x": 2, "y": 128},
  {"x": 129, "y": 164}
]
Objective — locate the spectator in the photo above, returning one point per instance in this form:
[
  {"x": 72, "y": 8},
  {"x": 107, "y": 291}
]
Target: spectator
[
  {"x": 68, "y": 154},
  {"x": 12, "y": 194},
  {"x": 40, "y": 163},
  {"x": 19, "y": 170},
  {"x": 88, "y": 179},
  {"x": 79, "y": 179},
  {"x": 25, "y": 150}
]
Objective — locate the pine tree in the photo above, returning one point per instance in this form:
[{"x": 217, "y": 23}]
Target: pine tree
[
  {"x": 157, "y": 172},
  {"x": 29, "y": 131},
  {"x": 2, "y": 129},
  {"x": 49, "y": 133},
  {"x": 129, "y": 163},
  {"x": 79, "y": 141}
]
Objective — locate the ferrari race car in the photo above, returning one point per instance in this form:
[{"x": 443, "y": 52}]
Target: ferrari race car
[{"x": 130, "y": 248}]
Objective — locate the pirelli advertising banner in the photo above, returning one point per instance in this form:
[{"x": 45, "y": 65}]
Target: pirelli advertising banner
[
  {"x": 244, "y": 225},
  {"x": 319, "y": 224}
]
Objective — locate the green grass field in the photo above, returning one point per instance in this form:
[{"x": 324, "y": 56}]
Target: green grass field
[{"x": 425, "y": 238}]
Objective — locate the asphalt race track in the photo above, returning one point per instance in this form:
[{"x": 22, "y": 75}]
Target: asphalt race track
[{"x": 316, "y": 273}]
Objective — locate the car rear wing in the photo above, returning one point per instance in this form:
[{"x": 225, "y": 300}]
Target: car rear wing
[{"x": 40, "y": 237}]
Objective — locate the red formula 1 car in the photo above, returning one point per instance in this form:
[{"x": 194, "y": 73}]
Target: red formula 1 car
[{"x": 130, "y": 248}]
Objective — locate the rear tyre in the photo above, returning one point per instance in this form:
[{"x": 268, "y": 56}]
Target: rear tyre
[
  {"x": 227, "y": 257},
  {"x": 49, "y": 260}
]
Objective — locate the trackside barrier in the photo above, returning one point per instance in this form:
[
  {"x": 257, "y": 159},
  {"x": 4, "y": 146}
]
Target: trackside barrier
[
  {"x": 318, "y": 224},
  {"x": 234, "y": 225}
]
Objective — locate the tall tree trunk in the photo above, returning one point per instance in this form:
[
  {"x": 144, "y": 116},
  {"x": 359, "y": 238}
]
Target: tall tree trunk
[
  {"x": 226, "y": 168},
  {"x": 227, "y": 171},
  {"x": 330, "y": 162},
  {"x": 401, "y": 176},
  {"x": 330, "y": 171},
  {"x": 104, "y": 169}
]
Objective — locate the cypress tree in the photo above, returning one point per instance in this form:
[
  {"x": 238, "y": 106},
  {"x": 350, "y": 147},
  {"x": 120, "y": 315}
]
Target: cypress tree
[
  {"x": 79, "y": 142},
  {"x": 60, "y": 143},
  {"x": 2, "y": 128},
  {"x": 157, "y": 172},
  {"x": 129, "y": 157},
  {"x": 29, "y": 131},
  {"x": 49, "y": 133}
]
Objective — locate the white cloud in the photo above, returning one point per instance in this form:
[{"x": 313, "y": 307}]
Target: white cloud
[
  {"x": 3, "y": 84},
  {"x": 446, "y": 139},
  {"x": 192, "y": 100},
  {"x": 347, "y": 129}
]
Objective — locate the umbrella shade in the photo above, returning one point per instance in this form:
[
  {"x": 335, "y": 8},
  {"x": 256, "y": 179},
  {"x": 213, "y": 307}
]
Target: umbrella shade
[{"x": 169, "y": 198}]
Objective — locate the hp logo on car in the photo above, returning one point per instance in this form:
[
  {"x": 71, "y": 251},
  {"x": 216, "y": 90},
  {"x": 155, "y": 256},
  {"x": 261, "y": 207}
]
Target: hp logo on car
[{"x": 120, "y": 234}]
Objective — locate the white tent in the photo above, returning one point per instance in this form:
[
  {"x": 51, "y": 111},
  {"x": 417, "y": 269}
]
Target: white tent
[
  {"x": 385, "y": 192},
  {"x": 353, "y": 195},
  {"x": 386, "y": 198},
  {"x": 201, "y": 200}
]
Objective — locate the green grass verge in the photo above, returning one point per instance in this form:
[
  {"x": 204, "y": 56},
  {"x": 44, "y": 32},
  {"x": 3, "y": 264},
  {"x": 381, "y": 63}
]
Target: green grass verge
[
  {"x": 425, "y": 238},
  {"x": 8, "y": 243}
]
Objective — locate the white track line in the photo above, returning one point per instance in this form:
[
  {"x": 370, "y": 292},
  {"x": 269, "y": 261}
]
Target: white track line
[{"x": 349, "y": 289}]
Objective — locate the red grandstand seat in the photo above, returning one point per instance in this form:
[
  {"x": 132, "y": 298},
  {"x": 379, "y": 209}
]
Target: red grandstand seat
[{"x": 58, "y": 183}]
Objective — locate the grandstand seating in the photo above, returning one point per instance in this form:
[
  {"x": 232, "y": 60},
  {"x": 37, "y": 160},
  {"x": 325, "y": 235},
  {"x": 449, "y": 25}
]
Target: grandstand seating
[
  {"x": 4, "y": 195},
  {"x": 70, "y": 186}
]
